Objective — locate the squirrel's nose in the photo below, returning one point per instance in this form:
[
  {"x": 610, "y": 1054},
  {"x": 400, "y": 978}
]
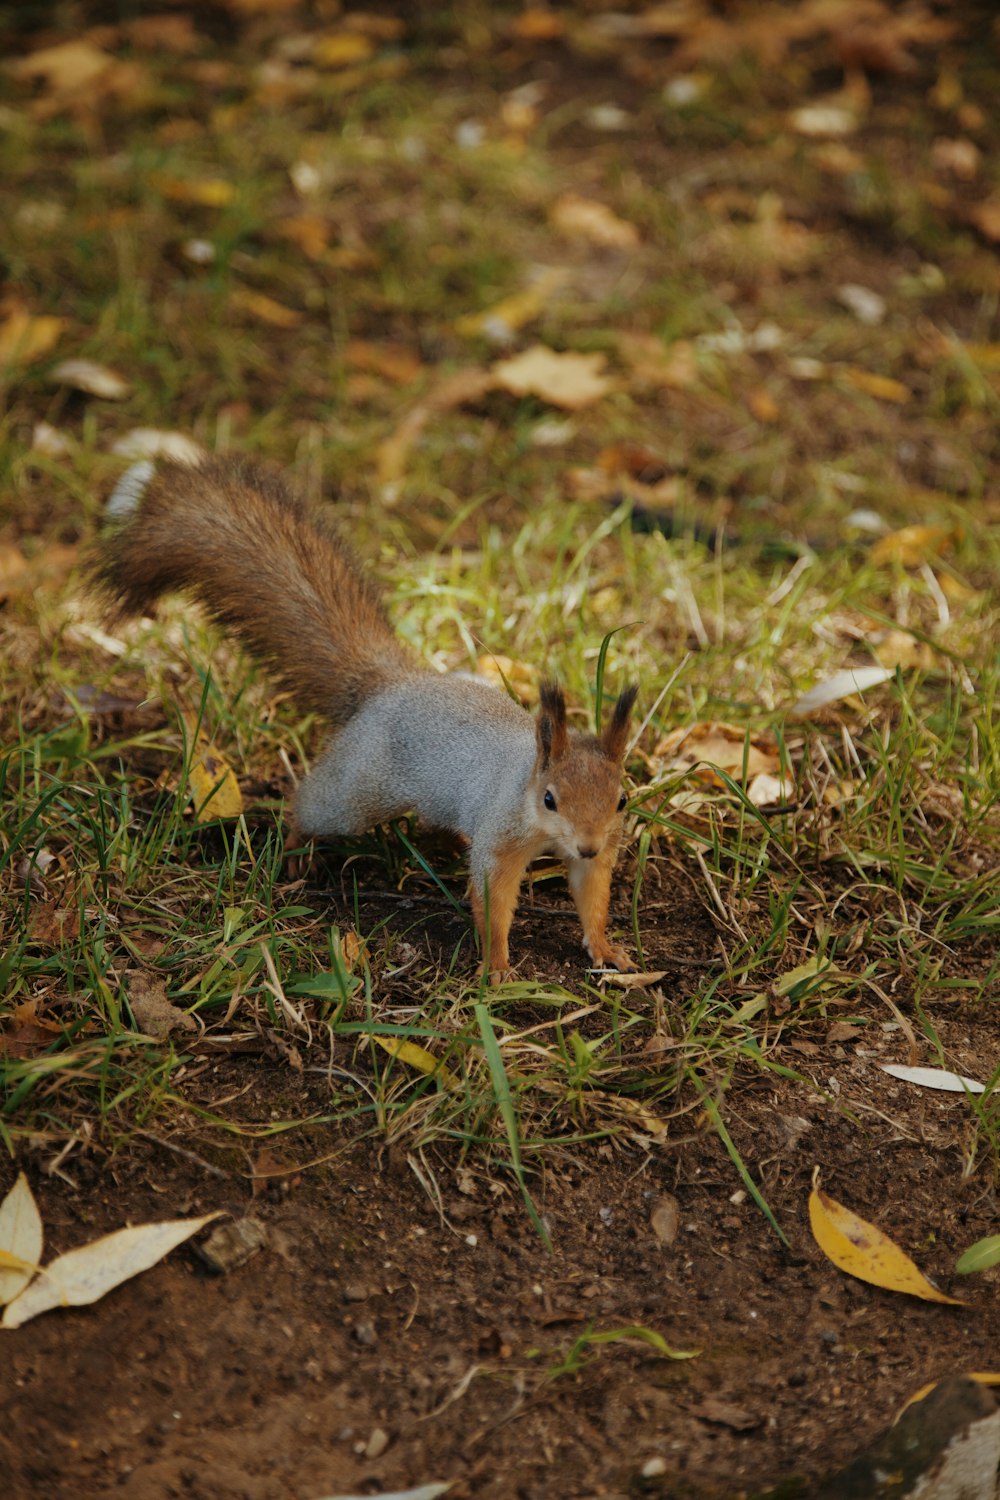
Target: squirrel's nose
[{"x": 586, "y": 851}]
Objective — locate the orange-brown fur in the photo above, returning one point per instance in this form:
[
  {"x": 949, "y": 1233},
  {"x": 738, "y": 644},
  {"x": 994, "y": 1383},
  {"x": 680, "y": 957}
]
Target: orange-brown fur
[{"x": 232, "y": 534}]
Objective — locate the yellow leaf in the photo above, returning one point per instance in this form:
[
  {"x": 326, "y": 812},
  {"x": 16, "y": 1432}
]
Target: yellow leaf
[
  {"x": 209, "y": 192},
  {"x": 503, "y": 319},
  {"x": 84, "y": 1275},
  {"x": 24, "y": 338},
  {"x": 568, "y": 380},
  {"x": 584, "y": 218},
  {"x": 882, "y": 387},
  {"x": 913, "y": 545},
  {"x": 506, "y": 673},
  {"x": 212, "y": 787},
  {"x": 857, "y": 1247},
  {"x": 20, "y": 1239},
  {"x": 265, "y": 308},
  {"x": 537, "y": 25},
  {"x": 342, "y": 49},
  {"x": 417, "y": 1057}
]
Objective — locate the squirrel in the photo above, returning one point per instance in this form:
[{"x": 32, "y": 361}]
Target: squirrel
[{"x": 448, "y": 747}]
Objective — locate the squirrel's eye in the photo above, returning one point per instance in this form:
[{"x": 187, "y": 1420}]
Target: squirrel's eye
[
  {"x": 550, "y": 800},
  {"x": 621, "y": 802}
]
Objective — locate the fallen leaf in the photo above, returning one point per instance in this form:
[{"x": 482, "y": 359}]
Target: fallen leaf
[
  {"x": 726, "y": 1414},
  {"x": 882, "y": 387},
  {"x": 53, "y": 924},
  {"x": 397, "y": 362},
  {"x": 702, "y": 747},
  {"x": 818, "y": 968},
  {"x": 584, "y": 218},
  {"x": 266, "y": 308},
  {"x": 934, "y": 1078},
  {"x": 763, "y": 405},
  {"x": 656, "y": 364},
  {"x": 824, "y": 119},
  {"x": 769, "y": 791},
  {"x": 342, "y": 49},
  {"x": 913, "y": 545},
  {"x": 898, "y": 648},
  {"x": 986, "y": 217},
  {"x": 311, "y": 232},
  {"x": 840, "y": 685},
  {"x": 500, "y": 322},
  {"x": 867, "y": 306},
  {"x": 151, "y": 442},
  {"x": 213, "y": 787},
  {"x": 537, "y": 25},
  {"x": 85, "y": 1275},
  {"x": 568, "y": 380},
  {"x": 21, "y": 1238},
  {"x": 958, "y": 157},
  {"x": 506, "y": 674},
  {"x": 154, "y": 1014},
  {"x": 859, "y": 1249},
  {"x": 25, "y": 337},
  {"x": 66, "y": 68},
  {"x": 93, "y": 379},
  {"x": 418, "y": 1057},
  {"x": 624, "y": 980},
  {"x": 208, "y": 192}
]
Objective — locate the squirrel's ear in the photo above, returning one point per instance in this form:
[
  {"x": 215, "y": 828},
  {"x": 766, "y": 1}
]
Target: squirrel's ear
[
  {"x": 551, "y": 724},
  {"x": 615, "y": 736}
]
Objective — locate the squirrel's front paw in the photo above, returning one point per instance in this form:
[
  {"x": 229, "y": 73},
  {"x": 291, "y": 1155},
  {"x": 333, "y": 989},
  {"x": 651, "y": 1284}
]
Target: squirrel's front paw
[{"x": 607, "y": 956}]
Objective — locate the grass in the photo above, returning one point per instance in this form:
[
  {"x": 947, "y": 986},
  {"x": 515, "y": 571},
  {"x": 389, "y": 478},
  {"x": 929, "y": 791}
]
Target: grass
[{"x": 883, "y": 861}]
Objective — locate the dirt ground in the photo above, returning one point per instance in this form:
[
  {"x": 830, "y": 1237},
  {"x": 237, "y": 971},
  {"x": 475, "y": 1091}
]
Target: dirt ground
[
  {"x": 403, "y": 1321},
  {"x": 378, "y": 1341}
]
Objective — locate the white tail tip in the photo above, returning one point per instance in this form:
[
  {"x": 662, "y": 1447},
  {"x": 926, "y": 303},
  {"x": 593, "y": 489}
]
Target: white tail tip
[{"x": 124, "y": 498}]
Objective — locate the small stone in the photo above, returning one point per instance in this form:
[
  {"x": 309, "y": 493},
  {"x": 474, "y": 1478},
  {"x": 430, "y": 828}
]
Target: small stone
[
  {"x": 231, "y": 1245},
  {"x": 364, "y": 1333},
  {"x": 377, "y": 1443},
  {"x": 355, "y": 1291},
  {"x": 653, "y": 1468}
]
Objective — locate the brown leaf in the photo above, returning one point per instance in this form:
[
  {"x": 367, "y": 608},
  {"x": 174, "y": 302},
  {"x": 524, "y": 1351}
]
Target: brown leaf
[
  {"x": 396, "y": 362},
  {"x": 53, "y": 924},
  {"x": 154, "y": 1014},
  {"x": 266, "y": 308}
]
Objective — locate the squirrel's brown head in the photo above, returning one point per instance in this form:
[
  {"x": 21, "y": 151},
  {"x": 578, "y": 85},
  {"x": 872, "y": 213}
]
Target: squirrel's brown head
[{"x": 577, "y": 780}]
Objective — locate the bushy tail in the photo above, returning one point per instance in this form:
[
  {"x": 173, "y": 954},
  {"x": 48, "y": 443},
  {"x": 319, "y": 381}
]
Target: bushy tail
[{"x": 230, "y": 534}]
